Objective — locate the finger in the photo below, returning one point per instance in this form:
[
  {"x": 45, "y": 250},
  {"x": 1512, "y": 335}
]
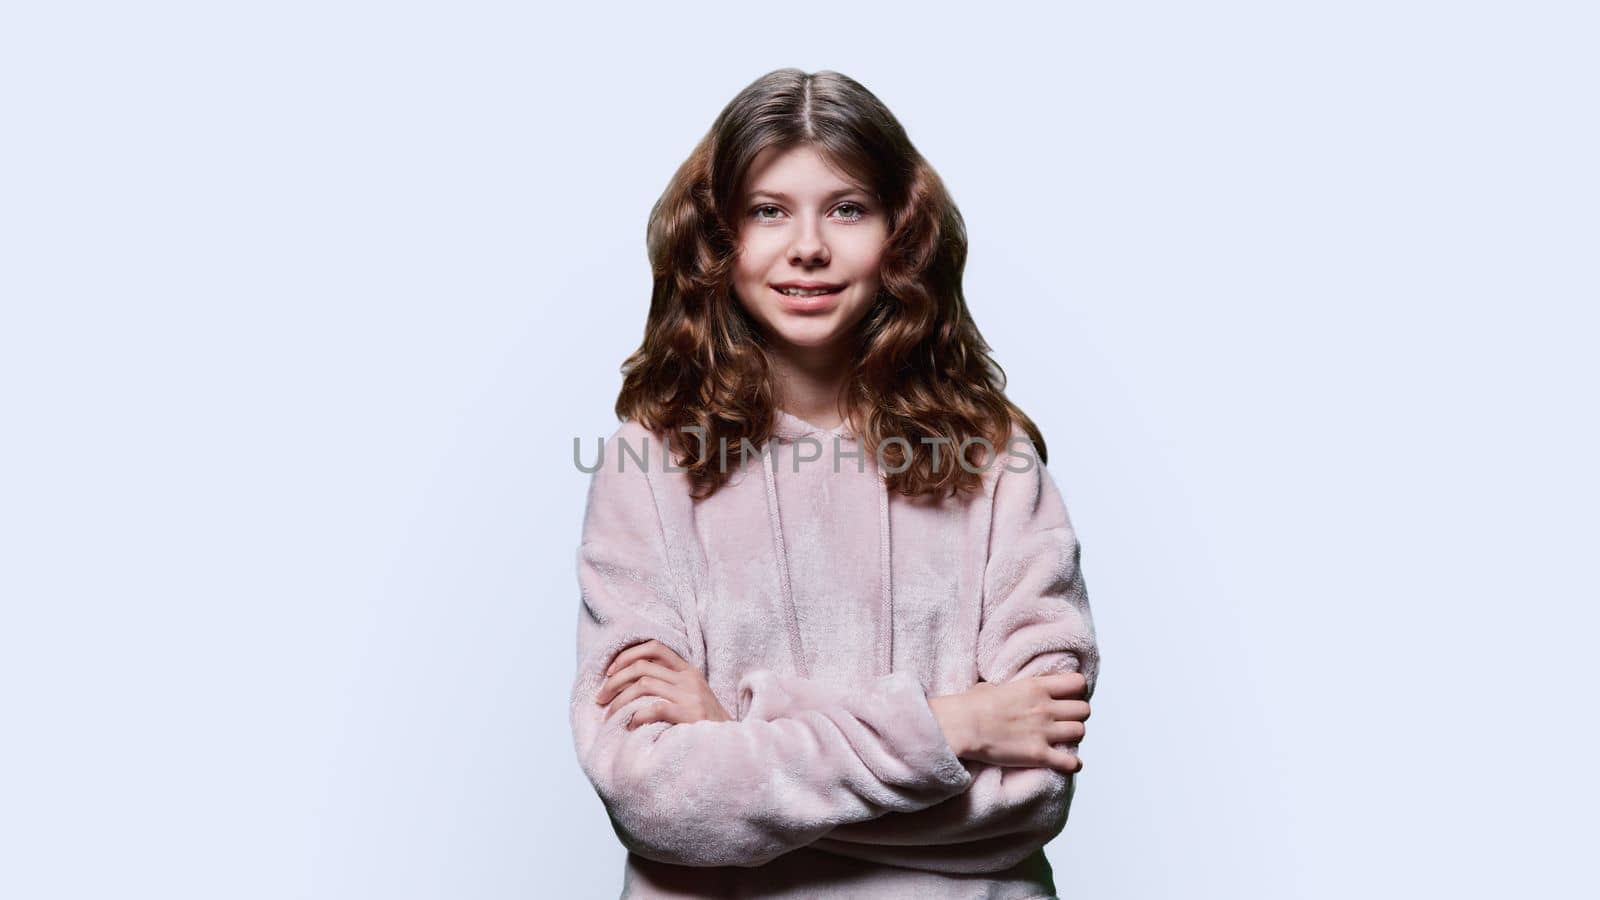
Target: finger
[
  {"x": 647, "y": 686},
  {"x": 1064, "y": 732},
  {"x": 642, "y": 708},
  {"x": 642, "y": 687},
  {"x": 1065, "y": 685},
  {"x": 1074, "y": 710},
  {"x": 656, "y": 712},
  {"x": 630, "y": 672},
  {"x": 1064, "y": 761},
  {"x": 648, "y": 649},
  {"x": 632, "y": 653}
]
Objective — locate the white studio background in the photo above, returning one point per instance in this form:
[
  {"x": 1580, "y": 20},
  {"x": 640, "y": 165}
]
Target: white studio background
[{"x": 303, "y": 304}]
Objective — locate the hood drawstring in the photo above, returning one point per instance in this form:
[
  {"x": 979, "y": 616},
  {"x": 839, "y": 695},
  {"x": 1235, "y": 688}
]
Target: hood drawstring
[{"x": 790, "y": 427}]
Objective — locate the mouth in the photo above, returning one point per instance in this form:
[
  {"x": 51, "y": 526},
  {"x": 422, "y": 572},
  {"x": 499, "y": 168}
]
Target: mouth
[{"x": 808, "y": 296}]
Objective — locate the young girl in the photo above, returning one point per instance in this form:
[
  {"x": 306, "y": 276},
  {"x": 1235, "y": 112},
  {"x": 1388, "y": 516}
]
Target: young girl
[{"x": 834, "y": 638}]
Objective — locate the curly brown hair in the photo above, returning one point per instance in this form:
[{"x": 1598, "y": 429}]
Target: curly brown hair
[{"x": 920, "y": 367}]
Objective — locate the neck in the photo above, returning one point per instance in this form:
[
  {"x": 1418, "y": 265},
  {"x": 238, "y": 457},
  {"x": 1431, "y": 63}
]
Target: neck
[{"x": 810, "y": 383}]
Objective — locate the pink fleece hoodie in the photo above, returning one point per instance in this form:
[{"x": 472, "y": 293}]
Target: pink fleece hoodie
[{"x": 824, "y": 613}]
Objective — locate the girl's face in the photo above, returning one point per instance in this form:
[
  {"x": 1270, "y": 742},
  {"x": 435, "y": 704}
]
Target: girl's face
[{"x": 810, "y": 241}]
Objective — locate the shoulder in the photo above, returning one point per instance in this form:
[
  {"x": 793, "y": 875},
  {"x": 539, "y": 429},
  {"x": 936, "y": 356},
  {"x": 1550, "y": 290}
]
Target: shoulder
[
  {"x": 1023, "y": 494},
  {"x": 634, "y": 439},
  {"x": 622, "y": 501},
  {"x": 1025, "y": 498},
  {"x": 1015, "y": 464},
  {"x": 634, "y": 460}
]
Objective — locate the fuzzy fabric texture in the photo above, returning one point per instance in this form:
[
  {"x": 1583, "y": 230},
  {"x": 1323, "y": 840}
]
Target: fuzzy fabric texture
[{"x": 823, "y": 613}]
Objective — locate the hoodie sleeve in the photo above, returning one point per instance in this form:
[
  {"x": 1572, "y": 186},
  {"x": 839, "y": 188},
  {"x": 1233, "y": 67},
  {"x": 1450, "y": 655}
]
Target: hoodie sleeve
[
  {"x": 1036, "y": 621},
  {"x": 795, "y": 764}
]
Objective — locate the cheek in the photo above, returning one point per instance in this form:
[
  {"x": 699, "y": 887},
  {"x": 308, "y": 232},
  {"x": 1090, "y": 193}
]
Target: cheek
[
  {"x": 867, "y": 260},
  {"x": 754, "y": 260},
  {"x": 864, "y": 246},
  {"x": 750, "y": 270}
]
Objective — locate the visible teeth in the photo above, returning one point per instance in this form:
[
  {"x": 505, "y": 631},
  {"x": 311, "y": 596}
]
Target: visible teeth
[{"x": 798, "y": 292}]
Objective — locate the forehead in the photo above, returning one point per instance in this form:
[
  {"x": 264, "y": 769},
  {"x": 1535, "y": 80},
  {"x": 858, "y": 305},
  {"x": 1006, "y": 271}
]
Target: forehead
[{"x": 799, "y": 171}]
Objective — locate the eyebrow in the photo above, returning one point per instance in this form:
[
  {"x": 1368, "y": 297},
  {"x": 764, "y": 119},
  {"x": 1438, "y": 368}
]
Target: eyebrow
[{"x": 779, "y": 195}]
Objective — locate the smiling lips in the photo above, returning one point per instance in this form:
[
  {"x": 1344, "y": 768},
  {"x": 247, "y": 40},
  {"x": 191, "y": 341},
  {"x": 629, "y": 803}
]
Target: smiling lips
[{"x": 808, "y": 296}]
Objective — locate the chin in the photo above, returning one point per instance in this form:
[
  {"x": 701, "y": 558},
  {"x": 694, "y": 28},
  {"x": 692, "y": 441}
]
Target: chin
[{"x": 809, "y": 337}]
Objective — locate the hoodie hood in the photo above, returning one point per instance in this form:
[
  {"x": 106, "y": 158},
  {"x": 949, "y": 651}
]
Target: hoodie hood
[{"x": 787, "y": 429}]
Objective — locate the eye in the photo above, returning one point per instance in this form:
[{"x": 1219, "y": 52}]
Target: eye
[
  {"x": 758, "y": 210},
  {"x": 858, "y": 208}
]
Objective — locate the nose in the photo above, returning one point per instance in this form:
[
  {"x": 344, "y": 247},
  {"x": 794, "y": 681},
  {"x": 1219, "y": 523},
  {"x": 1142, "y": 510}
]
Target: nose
[{"x": 808, "y": 248}]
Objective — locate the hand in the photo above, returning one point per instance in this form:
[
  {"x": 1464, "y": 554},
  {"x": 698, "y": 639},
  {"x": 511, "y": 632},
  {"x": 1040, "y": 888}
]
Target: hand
[
  {"x": 1015, "y": 723},
  {"x": 652, "y": 669}
]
